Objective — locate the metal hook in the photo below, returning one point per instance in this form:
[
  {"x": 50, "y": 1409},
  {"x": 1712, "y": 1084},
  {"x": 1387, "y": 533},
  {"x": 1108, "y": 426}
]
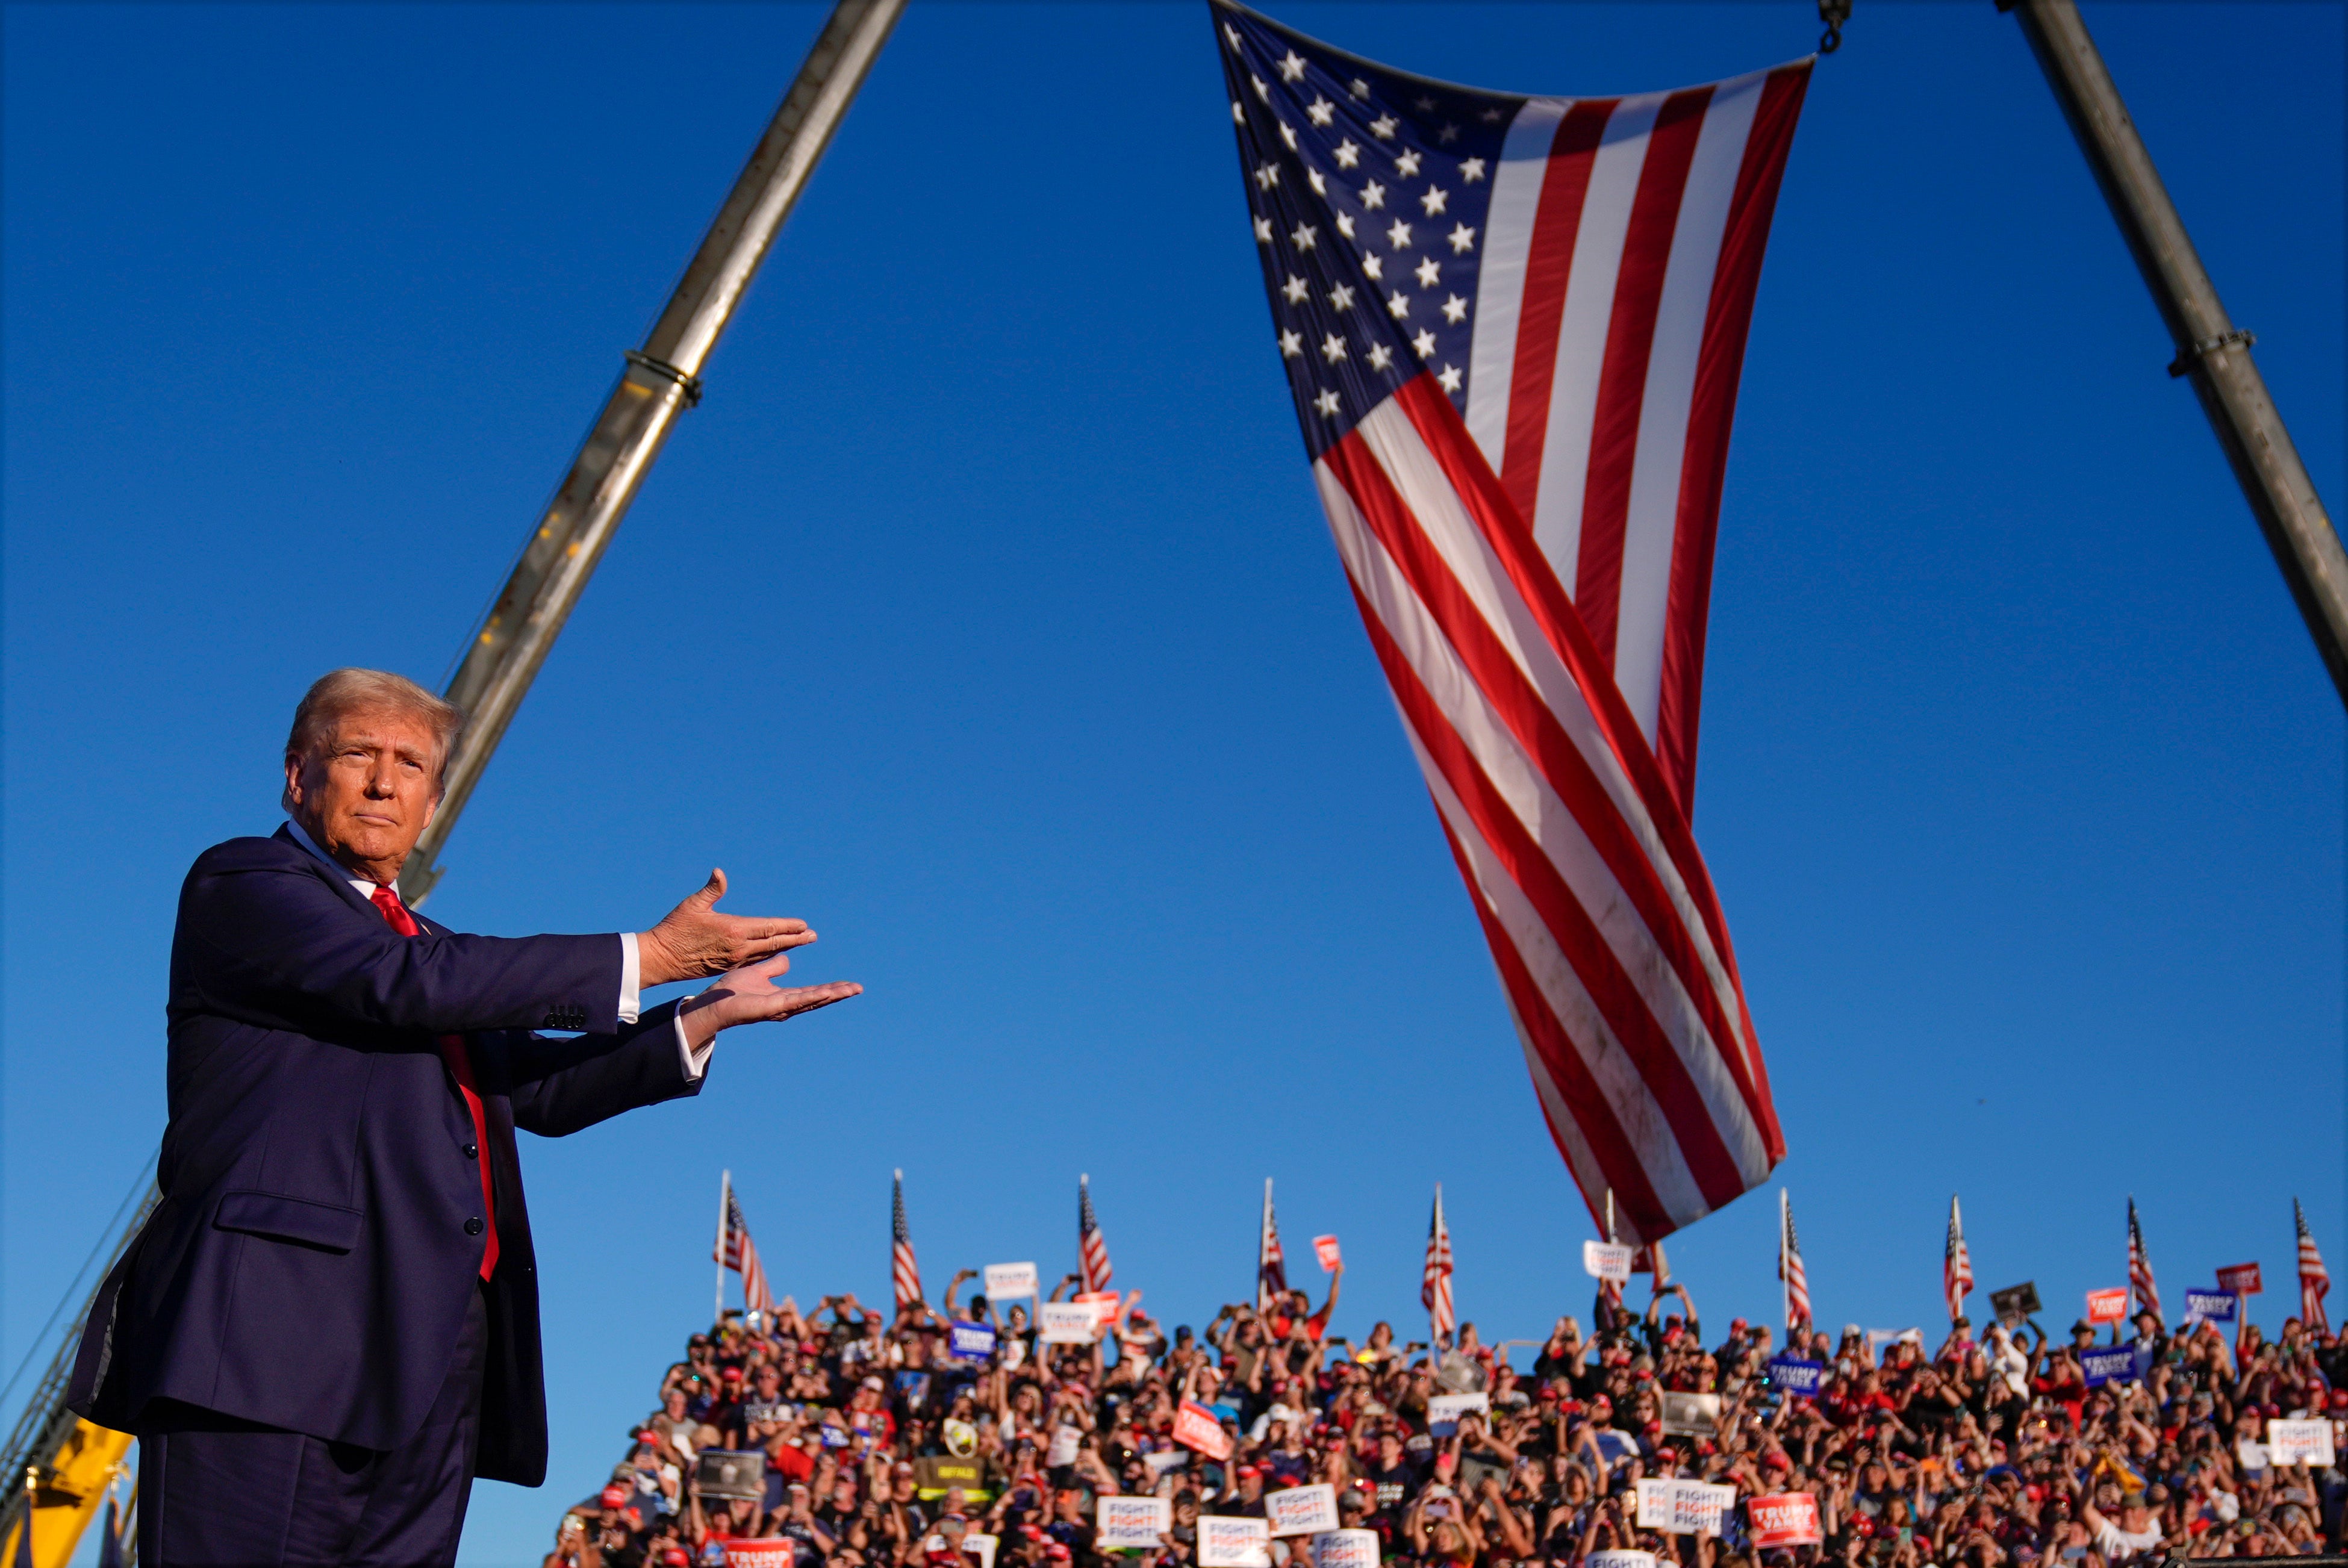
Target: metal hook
[{"x": 1834, "y": 13}]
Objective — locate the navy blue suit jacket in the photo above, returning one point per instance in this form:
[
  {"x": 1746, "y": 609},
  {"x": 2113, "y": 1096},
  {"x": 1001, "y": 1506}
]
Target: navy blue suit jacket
[{"x": 310, "y": 1262}]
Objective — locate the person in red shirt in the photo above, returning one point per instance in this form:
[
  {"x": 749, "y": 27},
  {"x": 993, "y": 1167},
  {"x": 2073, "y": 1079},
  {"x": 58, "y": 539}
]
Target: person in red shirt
[{"x": 1298, "y": 1304}]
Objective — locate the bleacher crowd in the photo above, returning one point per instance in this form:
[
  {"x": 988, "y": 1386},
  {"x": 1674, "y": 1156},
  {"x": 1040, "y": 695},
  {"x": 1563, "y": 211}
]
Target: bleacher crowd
[{"x": 885, "y": 1441}]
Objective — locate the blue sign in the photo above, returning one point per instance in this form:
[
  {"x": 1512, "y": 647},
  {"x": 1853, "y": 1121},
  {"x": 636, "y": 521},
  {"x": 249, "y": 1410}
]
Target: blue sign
[
  {"x": 2112, "y": 1362},
  {"x": 2211, "y": 1306},
  {"x": 1796, "y": 1375},
  {"x": 971, "y": 1341}
]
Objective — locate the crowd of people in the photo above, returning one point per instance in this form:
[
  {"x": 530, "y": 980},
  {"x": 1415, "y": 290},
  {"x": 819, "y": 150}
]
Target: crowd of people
[{"x": 885, "y": 1441}]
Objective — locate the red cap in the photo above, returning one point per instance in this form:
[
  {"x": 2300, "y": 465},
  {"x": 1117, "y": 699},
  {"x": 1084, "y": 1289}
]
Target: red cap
[
  {"x": 614, "y": 1496},
  {"x": 1057, "y": 1552},
  {"x": 731, "y": 1374},
  {"x": 674, "y": 1557}
]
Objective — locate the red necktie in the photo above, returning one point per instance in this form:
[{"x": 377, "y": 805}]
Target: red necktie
[{"x": 460, "y": 1062}]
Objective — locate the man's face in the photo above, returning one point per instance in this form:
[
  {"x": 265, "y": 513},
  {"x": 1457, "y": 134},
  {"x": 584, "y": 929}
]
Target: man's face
[{"x": 369, "y": 792}]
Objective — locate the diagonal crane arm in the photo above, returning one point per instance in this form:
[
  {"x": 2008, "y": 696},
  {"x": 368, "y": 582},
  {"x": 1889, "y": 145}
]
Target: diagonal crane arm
[{"x": 661, "y": 380}]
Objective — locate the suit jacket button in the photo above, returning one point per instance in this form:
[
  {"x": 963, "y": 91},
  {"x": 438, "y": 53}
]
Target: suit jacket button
[
  {"x": 472, "y": 1151},
  {"x": 473, "y": 1226}
]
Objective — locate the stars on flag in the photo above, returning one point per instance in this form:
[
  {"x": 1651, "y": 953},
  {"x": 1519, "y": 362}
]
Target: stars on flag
[{"x": 1315, "y": 195}]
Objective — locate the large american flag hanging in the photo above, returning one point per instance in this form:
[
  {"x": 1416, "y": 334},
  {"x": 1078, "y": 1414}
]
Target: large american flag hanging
[
  {"x": 2148, "y": 1295},
  {"x": 1092, "y": 1248},
  {"x": 1435, "y": 1279},
  {"x": 2315, "y": 1280},
  {"x": 736, "y": 1251},
  {"x": 1513, "y": 328},
  {"x": 1956, "y": 1265},
  {"x": 905, "y": 1273}
]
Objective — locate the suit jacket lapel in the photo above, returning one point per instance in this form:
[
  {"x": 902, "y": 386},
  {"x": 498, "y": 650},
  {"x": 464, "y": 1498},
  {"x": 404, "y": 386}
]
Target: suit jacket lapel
[{"x": 332, "y": 876}]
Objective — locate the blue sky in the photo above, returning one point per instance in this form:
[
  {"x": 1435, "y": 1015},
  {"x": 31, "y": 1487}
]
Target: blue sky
[{"x": 984, "y": 615}]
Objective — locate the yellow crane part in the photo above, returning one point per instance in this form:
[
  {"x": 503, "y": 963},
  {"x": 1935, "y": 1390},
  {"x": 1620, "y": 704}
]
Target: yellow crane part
[{"x": 67, "y": 1494}]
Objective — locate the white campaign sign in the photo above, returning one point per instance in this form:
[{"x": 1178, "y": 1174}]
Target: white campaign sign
[
  {"x": 1444, "y": 1411},
  {"x": 981, "y": 1547},
  {"x": 1607, "y": 1260},
  {"x": 1619, "y": 1560},
  {"x": 1684, "y": 1507},
  {"x": 1066, "y": 1322},
  {"x": 1345, "y": 1549},
  {"x": 1233, "y": 1543},
  {"x": 2299, "y": 1443},
  {"x": 1007, "y": 1281},
  {"x": 1302, "y": 1510},
  {"x": 1123, "y": 1522}
]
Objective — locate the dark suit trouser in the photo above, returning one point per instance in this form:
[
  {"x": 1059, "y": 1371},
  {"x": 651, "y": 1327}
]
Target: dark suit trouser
[{"x": 217, "y": 1492}]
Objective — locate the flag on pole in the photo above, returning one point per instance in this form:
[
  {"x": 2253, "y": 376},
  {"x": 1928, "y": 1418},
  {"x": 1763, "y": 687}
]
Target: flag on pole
[
  {"x": 1513, "y": 328},
  {"x": 2314, "y": 1282},
  {"x": 1092, "y": 1250},
  {"x": 1789, "y": 1266},
  {"x": 736, "y": 1251},
  {"x": 2148, "y": 1295},
  {"x": 1956, "y": 1265},
  {"x": 1271, "y": 1273},
  {"x": 905, "y": 1273},
  {"x": 1435, "y": 1280}
]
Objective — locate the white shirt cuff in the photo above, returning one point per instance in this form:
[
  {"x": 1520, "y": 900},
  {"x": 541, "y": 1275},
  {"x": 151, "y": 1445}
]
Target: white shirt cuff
[
  {"x": 630, "y": 972},
  {"x": 695, "y": 1063}
]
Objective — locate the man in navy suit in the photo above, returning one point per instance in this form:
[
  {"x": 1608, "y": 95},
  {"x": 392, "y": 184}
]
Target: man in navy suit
[{"x": 329, "y": 1326}]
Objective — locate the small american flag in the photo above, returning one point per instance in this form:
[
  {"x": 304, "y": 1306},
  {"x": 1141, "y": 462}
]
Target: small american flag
[
  {"x": 2148, "y": 1295},
  {"x": 1789, "y": 1265},
  {"x": 1271, "y": 1272},
  {"x": 2314, "y": 1282},
  {"x": 1092, "y": 1251},
  {"x": 1435, "y": 1281},
  {"x": 1956, "y": 1265},
  {"x": 905, "y": 1273},
  {"x": 1512, "y": 328},
  {"x": 737, "y": 1252}
]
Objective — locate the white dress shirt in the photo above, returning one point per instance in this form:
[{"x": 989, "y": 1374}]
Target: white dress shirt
[{"x": 695, "y": 1062}]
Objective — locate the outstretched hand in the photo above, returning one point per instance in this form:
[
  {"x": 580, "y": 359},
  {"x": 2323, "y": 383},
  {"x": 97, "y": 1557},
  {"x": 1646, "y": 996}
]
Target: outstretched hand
[
  {"x": 693, "y": 941},
  {"x": 750, "y": 995}
]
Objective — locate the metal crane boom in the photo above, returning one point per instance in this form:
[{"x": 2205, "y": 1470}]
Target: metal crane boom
[{"x": 662, "y": 378}]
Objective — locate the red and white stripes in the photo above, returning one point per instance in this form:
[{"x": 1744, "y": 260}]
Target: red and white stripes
[
  {"x": 1623, "y": 245},
  {"x": 1600, "y": 914}
]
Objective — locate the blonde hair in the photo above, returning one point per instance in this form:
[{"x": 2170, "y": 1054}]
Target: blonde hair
[{"x": 336, "y": 694}]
